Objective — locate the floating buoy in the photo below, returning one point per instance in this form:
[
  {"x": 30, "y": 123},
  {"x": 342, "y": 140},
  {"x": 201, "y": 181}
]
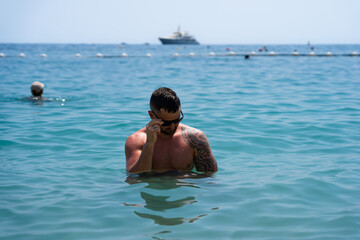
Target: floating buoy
[
  {"x": 231, "y": 53},
  {"x": 124, "y": 55},
  {"x": 329, "y": 54},
  {"x": 227, "y": 49},
  {"x": 78, "y": 55},
  {"x": 354, "y": 54},
  {"x": 191, "y": 54},
  {"x": 2, "y": 55},
  {"x": 312, "y": 54},
  {"x": 260, "y": 49},
  {"x": 99, "y": 55},
  {"x": 211, "y": 54},
  {"x": 295, "y": 53},
  {"x": 22, "y": 55},
  {"x": 43, "y": 55},
  {"x": 272, "y": 53},
  {"x": 148, "y": 55},
  {"x": 253, "y": 53},
  {"x": 176, "y": 55}
]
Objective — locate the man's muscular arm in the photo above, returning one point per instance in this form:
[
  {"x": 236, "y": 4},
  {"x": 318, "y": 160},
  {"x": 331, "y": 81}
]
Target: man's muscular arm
[
  {"x": 138, "y": 158},
  {"x": 138, "y": 155},
  {"x": 196, "y": 139}
]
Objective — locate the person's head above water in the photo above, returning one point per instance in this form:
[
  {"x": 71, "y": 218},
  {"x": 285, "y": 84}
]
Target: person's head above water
[
  {"x": 166, "y": 99},
  {"x": 37, "y": 89},
  {"x": 165, "y": 105}
]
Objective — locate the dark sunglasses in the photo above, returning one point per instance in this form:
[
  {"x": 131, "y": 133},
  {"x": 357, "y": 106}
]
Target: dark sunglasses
[{"x": 168, "y": 123}]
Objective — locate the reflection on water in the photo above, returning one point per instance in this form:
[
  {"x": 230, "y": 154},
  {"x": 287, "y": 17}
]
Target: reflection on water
[
  {"x": 165, "y": 181},
  {"x": 161, "y": 203},
  {"x": 168, "y": 221}
]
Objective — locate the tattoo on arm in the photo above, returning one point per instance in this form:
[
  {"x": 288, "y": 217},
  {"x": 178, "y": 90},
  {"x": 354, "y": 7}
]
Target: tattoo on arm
[{"x": 204, "y": 160}]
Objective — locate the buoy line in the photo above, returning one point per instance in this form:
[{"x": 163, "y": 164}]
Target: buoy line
[{"x": 210, "y": 54}]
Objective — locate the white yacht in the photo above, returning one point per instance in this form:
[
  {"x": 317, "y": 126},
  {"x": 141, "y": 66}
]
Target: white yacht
[{"x": 178, "y": 37}]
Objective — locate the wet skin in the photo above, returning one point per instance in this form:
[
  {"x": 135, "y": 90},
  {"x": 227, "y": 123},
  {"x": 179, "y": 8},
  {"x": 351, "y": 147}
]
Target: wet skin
[{"x": 157, "y": 148}]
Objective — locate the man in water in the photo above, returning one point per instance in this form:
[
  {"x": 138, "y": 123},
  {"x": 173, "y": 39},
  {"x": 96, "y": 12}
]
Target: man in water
[
  {"x": 166, "y": 144},
  {"x": 37, "y": 89}
]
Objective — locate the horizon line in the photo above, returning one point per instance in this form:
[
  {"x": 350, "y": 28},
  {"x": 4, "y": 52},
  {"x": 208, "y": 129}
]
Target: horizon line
[{"x": 147, "y": 43}]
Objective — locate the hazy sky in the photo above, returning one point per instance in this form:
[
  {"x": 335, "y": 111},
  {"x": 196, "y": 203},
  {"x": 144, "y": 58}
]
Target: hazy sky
[{"x": 210, "y": 21}]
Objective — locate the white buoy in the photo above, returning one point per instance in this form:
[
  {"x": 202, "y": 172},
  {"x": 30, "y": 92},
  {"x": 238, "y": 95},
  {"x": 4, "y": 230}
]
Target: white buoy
[
  {"x": 354, "y": 54},
  {"x": 124, "y": 55},
  {"x": 99, "y": 55},
  {"x": 272, "y": 53},
  {"x": 253, "y": 53},
  {"x": 148, "y": 55},
  {"x": 176, "y": 55},
  {"x": 43, "y": 55},
  {"x": 78, "y": 55},
  {"x": 2, "y": 55},
  {"x": 295, "y": 53},
  {"x": 191, "y": 54},
  {"x": 312, "y": 54},
  {"x": 329, "y": 54},
  {"x": 22, "y": 55},
  {"x": 231, "y": 53},
  {"x": 211, "y": 54}
]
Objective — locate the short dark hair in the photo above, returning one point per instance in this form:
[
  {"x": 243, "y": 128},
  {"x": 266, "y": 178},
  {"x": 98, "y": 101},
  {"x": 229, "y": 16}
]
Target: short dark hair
[
  {"x": 165, "y": 98},
  {"x": 37, "y": 94}
]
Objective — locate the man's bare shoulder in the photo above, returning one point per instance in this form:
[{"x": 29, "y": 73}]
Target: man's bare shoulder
[
  {"x": 193, "y": 136},
  {"x": 190, "y": 129},
  {"x": 137, "y": 138}
]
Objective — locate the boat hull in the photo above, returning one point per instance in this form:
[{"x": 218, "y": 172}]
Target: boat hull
[{"x": 178, "y": 41}]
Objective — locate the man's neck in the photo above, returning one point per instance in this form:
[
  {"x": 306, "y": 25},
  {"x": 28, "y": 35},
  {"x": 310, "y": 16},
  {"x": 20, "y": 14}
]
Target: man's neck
[{"x": 165, "y": 136}]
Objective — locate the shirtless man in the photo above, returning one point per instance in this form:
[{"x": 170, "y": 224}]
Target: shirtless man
[{"x": 166, "y": 144}]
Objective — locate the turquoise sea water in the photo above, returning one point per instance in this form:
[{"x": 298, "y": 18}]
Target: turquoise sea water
[{"x": 285, "y": 131}]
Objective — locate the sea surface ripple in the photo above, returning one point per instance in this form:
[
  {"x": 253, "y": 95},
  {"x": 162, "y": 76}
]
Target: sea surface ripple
[{"x": 285, "y": 131}]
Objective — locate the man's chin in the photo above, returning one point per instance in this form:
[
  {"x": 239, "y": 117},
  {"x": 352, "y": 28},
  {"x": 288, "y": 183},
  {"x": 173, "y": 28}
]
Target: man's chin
[{"x": 169, "y": 132}]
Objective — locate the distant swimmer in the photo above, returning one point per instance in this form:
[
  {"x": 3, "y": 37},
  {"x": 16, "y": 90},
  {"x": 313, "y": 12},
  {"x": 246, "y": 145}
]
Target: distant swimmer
[
  {"x": 247, "y": 56},
  {"x": 37, "y": 89},
  {"x": 165, "y": 144}
]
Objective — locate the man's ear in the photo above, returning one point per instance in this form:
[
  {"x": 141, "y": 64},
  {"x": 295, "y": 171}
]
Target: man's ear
[{"x": 151, "y": 114}]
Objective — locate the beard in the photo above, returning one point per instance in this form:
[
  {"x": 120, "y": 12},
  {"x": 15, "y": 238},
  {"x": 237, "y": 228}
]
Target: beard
[{"x": 169, "y": 131}]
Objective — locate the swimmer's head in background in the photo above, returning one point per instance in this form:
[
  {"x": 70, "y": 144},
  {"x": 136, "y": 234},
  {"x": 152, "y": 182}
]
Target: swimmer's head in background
[
  {"x": 37, "y": 89},
  {"x": 165, "y": 98}
]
